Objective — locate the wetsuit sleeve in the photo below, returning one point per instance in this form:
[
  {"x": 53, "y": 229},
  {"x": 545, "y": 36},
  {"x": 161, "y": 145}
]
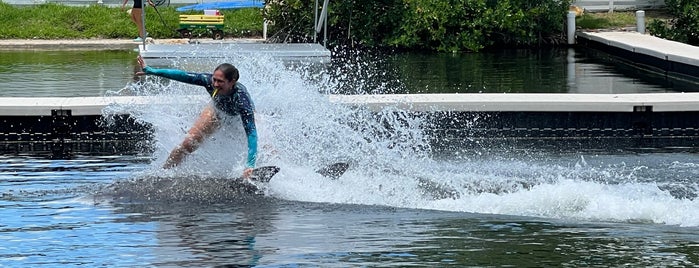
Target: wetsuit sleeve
[
  {"x": 246, "y": 109},
  {"x": 251, "y": 132},
  {"x": 179, "y": 75}
]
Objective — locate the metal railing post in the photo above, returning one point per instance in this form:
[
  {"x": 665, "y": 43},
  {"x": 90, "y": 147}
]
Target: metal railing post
[
  {"x": 143, "y": 23},
  {"x": 315, "y": 20},
  {"x": 322, "y": 22}
]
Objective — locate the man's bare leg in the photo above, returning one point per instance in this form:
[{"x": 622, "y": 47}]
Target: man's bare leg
[
  {"x": 136, "y": 14},
  {"x": 206, "y": 124}
]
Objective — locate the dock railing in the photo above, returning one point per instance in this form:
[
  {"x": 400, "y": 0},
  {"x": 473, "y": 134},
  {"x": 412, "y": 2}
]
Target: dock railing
[{"x": 618, "y": 5}]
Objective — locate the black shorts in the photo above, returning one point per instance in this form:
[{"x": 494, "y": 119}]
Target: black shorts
[{"x": 137, "y": 4}]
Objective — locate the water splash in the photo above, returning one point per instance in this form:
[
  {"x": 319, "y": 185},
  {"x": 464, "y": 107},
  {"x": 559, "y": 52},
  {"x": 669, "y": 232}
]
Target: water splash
[{"x": 391, "y": 157}]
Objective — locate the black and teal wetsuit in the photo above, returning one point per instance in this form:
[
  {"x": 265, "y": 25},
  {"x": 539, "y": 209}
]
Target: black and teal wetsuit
[{"x": 237, "y": 103}]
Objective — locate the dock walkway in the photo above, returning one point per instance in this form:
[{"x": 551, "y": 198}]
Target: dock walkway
[
  {"x": 453, "y": 120},
  {"x": 295, "y": 52},
  {"x": 645, "y": 51},
  {"x": 184, "y": 48}
]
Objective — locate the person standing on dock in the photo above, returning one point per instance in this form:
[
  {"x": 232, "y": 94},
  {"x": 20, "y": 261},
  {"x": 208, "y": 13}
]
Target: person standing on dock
[
  {"x": 229, "y": 98},
  {"x": 136, "y": 13}
]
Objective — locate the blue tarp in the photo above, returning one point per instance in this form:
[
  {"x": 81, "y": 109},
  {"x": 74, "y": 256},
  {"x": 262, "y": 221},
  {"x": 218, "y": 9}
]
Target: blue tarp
[{"x": 224, "y": 5}]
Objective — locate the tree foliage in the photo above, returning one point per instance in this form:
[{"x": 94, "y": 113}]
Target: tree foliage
[
  {"x": 442, "y": 25},
  {"x": 684, "y": 27}
]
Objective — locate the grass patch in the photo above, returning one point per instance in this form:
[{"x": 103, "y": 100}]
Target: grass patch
[
  {"x": 615, "y": 20},
  {"x": 606, "y": 20},
  {"x": 55, "y": 21}
]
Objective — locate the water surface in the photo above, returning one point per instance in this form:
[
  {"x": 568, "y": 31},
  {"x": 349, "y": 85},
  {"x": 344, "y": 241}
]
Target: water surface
[
  {"x": 606, "y": 211},
  {"x": 94, "y": 73},
  {"x": 401, "y": 202}
]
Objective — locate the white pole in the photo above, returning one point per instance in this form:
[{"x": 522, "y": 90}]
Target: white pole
[
  {"x": 315, "y": 20},
  {"x": 611, "y": 6},
  {"x": 264, "y": 30},
  {"x": 323, "y": 16},
  {"x": 571, "y": 27},
  {"x": 323, "y": 21},
  {"x": 325, "y": 30},
  {"x": 641, "y": 21}
]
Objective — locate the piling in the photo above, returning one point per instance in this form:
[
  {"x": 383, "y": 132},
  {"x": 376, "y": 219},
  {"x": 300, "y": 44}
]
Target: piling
[
  {"x": 264, "y": 30},
  {"x": 641, "y": 21},
  {"x": 571, "y": 27}
]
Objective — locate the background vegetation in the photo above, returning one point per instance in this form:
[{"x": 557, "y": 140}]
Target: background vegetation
[
  {"x": 432, "y": 25},
  {"x": 683, "y": 27},
  {"x": 448, "y": 25}
]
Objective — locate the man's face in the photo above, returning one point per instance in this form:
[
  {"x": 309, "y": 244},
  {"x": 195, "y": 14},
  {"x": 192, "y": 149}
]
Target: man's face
[{"x": 224, "y": 86}]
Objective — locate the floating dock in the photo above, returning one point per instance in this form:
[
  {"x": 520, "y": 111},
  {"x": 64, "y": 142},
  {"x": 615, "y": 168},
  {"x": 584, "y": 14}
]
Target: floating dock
[
  {"x": 527, "y": 102},
  {"x": 647, "y": 52},
  {"x": 59, "y": 125},
  {"x": 290, "y": 52},
  {"x": 586, "y": 121}
]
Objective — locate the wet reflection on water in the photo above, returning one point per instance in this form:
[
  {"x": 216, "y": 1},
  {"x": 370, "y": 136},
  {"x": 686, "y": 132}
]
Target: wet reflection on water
[
  {"x": 94, "y": 73},
  {"x": 512, "y": 71},
  {"x": 64, "y": 73}
]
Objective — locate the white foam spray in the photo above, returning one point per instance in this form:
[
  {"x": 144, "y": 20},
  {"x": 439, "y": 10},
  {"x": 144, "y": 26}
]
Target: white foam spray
[{"x": 390, "y": 156}]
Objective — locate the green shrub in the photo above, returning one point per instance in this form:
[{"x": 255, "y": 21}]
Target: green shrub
[
  {"x": 442, "y": 25},
  {"x": 684, "y": 27}
]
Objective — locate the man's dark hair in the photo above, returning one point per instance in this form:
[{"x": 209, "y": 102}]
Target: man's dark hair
[{"x": 229, "y": 71}]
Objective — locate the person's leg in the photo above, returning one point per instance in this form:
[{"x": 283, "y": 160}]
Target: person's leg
[
  {"x": 136, "y": 18},
  {"x": 206, "y": 124}
]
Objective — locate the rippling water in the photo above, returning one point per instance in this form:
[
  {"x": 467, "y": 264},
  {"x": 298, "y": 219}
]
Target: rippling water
[
  {"x": 55, "y": 213},
  {"x": 64, "y": 73}
]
